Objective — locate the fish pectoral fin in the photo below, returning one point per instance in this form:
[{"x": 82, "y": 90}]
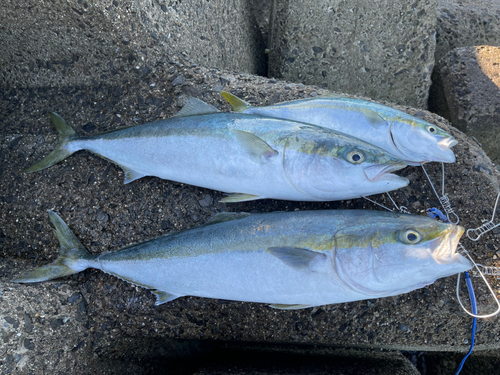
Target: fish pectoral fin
[
  {"x": 372, "y": 117},
  {"x": 239, "y": 197},
  {"x": 256, "y": 148},
  {"x": 299, "y": 258},
  {"x": 237, "y": 104},
  {"x": 163, "y": 297},
  {"x": 288, "y": 307},
  {"x": 196, "y": 107},
  {"x": 131, "y": 175},
  {"x": 223, "y": 217}
]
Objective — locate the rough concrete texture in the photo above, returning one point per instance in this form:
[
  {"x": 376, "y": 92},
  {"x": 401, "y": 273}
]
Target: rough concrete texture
[
  {"x": 85, "y": 322},
  {"x": 384, "y": 52},
  {"x": 466, "y": 23},
  {"x": 54, "y": 43},
  {"x": 470, "y": 78}
]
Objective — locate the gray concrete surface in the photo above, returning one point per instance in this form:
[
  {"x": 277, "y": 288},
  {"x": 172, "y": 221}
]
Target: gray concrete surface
[
  {"x": 466, "y": 23},
  {"x": 73, "y": 43},
  {"x": 470, "y": 79},
  {"x": 384, "y": 52},
  {"x": 92, "y": 318}
]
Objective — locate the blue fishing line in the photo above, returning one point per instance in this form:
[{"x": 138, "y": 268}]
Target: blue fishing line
[
  {"x": 474, "y": 311},
  {"x": 434, "y": 213}
]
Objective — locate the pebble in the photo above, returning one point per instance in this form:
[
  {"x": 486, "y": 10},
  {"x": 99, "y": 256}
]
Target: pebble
[
  {"x": 402, "y": 327},
  {"x": 178, "y": 80},
  {"x": 102, "y": 216},
  {"x": 206, "y": 201}
]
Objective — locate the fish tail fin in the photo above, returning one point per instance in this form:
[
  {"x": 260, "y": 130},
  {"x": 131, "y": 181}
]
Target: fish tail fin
[
  {"x": 237, "y": 104},
  {"x": 73, "y": 257},
  {"x": 66, "y": 134}
]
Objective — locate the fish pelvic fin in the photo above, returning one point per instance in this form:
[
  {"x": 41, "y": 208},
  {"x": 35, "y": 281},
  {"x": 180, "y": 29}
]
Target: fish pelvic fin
[
  {"x": 237, "y": 104},
  {"x": 239, "y": 197},
  {"x": 66, "y": 134},
  {"x": 73, "y": 257}
]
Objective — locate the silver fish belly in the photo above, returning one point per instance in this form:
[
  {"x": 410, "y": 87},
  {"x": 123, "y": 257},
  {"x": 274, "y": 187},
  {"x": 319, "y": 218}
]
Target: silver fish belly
[
  {"x": 405, "y": 136},
  {"x": 251, "y": 156},
  {"x": 287, "y": 259}
]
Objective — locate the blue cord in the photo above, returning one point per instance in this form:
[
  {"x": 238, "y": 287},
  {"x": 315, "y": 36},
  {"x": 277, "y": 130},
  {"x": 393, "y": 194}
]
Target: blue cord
[
  {"x": 474, "y": 311},
  {"x": 435, "y": 213}
]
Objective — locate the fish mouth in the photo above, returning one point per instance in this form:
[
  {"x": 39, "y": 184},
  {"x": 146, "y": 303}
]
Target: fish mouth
[
  {"x": 447, "y": 143},
  {"x": 446, "y": 250},
  {"x": 376, "y": 172}
]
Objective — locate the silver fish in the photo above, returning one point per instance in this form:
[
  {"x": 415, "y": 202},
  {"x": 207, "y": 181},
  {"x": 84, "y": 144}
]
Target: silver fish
[
  {"x": 407, "y": 137},
  {"x": 290, "y": 260},
  {"x": 251, "y": 156}
]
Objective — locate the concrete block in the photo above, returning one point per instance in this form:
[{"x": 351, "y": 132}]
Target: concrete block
[
  {"x": 384, "y": 51},
  {"x": 465, "y": 23},
  {"x": 120, "y": 325},
  {"x": 59, "y": 43},
  {"x": 471, "y": 86}
]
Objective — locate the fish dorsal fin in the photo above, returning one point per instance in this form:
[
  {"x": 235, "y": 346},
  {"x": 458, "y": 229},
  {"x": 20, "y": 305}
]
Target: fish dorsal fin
[
  {"x": 131, "y": 175},
  {"x": 223, "y": 217},
  {"x": 239, "y": 197},
  {"x": 238, "y": 104},
  {"x": 281, "y": 306},
  {"x": 298, "y": 258},
  {"x": 372, "y": 117},
  {"x": 256, "y": 148},
  {"x": 163, "y": 297},
  {"x": 195, "y": 107}
]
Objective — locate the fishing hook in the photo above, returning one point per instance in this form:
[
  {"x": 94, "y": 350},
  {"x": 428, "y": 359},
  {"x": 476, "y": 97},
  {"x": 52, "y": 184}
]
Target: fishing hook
[
  {"x": 445, "y": 201},
  {"x": 486, "y": 227},
  {"x": 463, "y": 250},
  {"x": 401, "y": 209}
]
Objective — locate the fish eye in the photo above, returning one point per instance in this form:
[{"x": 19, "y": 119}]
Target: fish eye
[
  {"x": 355, "y": 157},
  {"x": 431, "y": 129},
  {"x": 411, "y": 237}
]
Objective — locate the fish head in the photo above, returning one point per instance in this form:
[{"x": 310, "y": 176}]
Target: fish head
[
  {"x": 420, "y": 142},
  {"x": 397, "y": 253},
  {"x": 328, "y": 165}
]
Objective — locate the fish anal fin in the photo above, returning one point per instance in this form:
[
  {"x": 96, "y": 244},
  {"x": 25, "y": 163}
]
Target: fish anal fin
[
  {"x": 239, "y": 197},
  {"x": 237, "y": 104},
  {"x": 298, "y": 258},
  {"x": 131, "y": 175},
  {"x": 163, "y": 297},
  {"x": 281, "y": 306},
  {"x": 195, "y": 107},
  {"x": 372, "y": 117},
  {"x": 257, "y": 149}
]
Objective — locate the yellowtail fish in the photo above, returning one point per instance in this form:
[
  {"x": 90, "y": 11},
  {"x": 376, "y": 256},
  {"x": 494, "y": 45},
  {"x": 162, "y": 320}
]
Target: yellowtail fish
[
  {"x": 289, "y": 260},
  {"x": 407, "y": 137},
  {"x": 250, "y": 156}
]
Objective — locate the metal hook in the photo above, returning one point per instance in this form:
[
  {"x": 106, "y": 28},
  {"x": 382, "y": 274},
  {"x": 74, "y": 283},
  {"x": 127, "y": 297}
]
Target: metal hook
[
  {"x": 488, "y": 271},
  {"x": 378, "y": 204},
  {"x": 445, "y": 201},
  {"x": 462, "y": 249},
  {"x": 401, "y": 209},
  {"x": 486, "y": 227}
]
